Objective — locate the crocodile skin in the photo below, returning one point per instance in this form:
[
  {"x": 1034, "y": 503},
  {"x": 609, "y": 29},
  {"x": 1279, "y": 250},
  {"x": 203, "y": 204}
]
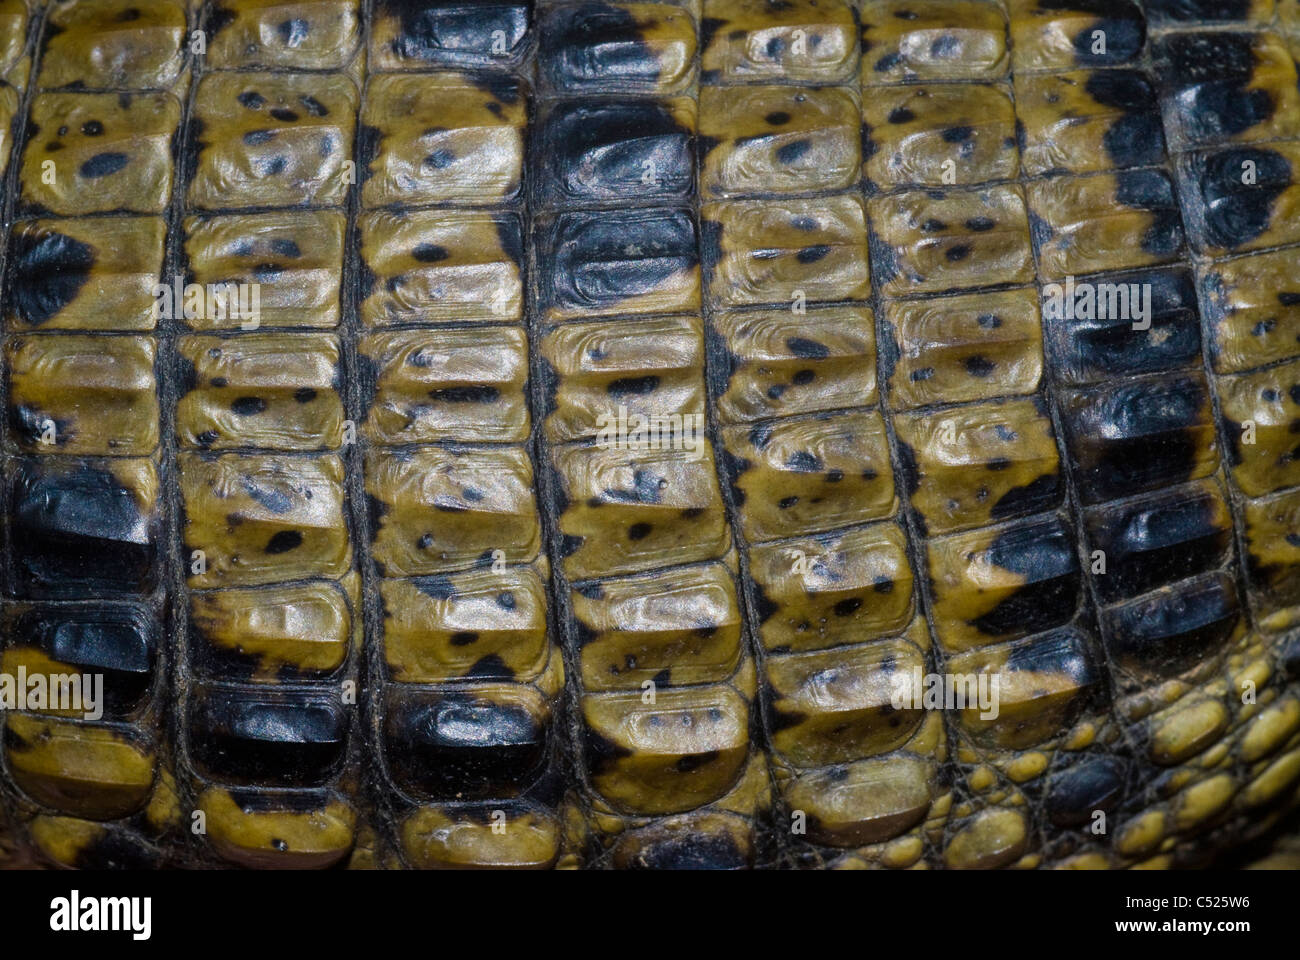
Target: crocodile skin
[{"x": 367, "y": 581}]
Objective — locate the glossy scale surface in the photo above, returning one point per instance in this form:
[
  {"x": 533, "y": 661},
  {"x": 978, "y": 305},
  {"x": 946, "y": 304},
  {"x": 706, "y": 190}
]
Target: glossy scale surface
[{"x": 637, "y": 399}]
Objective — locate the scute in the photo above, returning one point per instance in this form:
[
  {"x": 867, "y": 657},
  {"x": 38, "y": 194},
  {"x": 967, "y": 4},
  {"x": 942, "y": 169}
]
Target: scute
[{"x": 649, "y": 434}]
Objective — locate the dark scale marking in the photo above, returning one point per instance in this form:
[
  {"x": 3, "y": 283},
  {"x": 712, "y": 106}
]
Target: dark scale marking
[
  {"x": 601, "y": 150},
  {"x": 1044, "y": 555},
  {"x": 490, "y": 667},
  {"x": 248, "y": 406},
  {"x": 1130, "y": 437},
  {"x": 460, "y": 746},
  {"x": 1120, "y": 20},
  {"x": 592, "y": 246},
  {"x": 1162, "y": 538},
  {"x": 293, "y": 32},
  {"x": 1226, "y": 212},
  {"x": 49, "y": 271},
  {"x": 709, "y": 27},
  {"x": 219, "y": 18},
  {"x": 102, "y": 165},
  {"x": 1169, "y": 632},
  {"x": 440, "y": 160},
  {"x": 274, "y": 500},
  {"x": 807, "y": 349},
  {"x": 685, "y": 851},
  {"x": 466, "y": 394},
  {"x": 1151, "y": 190},
  {"x": 1064, "y": 652},
  {"x": 1209, "y": 74},
  {"x": 304, "y": 394},
  {"x": 511, "y": 239},
  {"x": 1040, "y": 493},
  {"x": 430, "y": 253},
  {"x": 945, "y": 47},
  {"x": 791, "y": 152},
  {"x": 804, "y": 462},
  {"x": 284, "y": 541},
  {"x": 1095, "y": 783},
  {"x": 271, "y": 166},
  {"x": 461, "y": 34},
  {"x": 812, "y": 254},
  {"x": 593, "y": 43},
  {"x": 633, "y": 386},
  {"x": 1101, "y": 349},
  {"x": 1137, "y": 138},
  {"x": 901, "y": 115},
  {"x": 1200, "y": 10},
  {"x": 118, "y": 849},
  {"x": 118, "y": 640}
]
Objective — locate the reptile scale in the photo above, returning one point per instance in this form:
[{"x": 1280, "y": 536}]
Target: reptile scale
[{"x": 970, "y": 330}]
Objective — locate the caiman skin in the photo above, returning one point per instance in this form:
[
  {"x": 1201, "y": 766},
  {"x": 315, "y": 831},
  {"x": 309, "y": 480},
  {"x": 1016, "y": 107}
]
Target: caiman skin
[{"x": 367, "y": 589}]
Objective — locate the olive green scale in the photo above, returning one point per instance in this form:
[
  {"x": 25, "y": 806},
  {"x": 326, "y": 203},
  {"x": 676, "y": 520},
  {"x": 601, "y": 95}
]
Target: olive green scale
[{"x": 660, "y": 434}]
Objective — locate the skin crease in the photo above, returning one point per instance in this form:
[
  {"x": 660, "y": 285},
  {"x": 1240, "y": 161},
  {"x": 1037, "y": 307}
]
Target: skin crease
[{"x": 640, "y": 398}]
